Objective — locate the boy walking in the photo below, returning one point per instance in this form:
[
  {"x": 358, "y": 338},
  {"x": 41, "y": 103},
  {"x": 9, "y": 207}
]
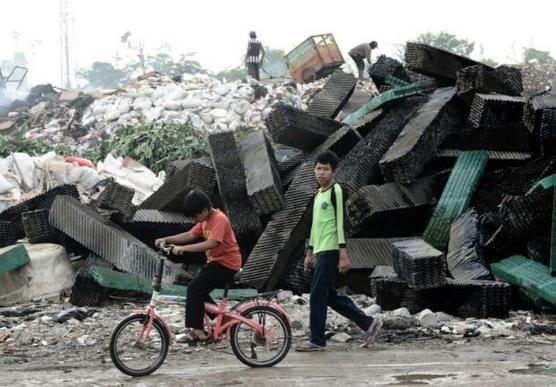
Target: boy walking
[
  {"x": 223, "y": 257},
  {"x": 326, "y": 255}
]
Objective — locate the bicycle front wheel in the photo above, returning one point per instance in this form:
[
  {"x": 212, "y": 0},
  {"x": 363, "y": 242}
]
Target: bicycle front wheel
[
  {"x": 133, "y": 351},
  {"x": 265, "y": 347}
]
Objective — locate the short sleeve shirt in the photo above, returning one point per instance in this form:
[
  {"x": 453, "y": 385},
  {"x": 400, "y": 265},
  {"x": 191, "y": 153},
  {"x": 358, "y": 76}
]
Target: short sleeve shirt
[{"x": 217, "y": 227}]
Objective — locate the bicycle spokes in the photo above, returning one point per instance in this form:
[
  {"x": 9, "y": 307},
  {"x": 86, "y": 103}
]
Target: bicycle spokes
[
  {"x": 138, "y": 346},
  {"x": 264, "y": 341}
]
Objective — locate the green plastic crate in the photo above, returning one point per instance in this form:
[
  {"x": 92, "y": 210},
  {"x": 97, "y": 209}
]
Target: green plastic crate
[
  {"x": 546, "y": 183},
  {"x": 457, "y": 195},
  {"x": 123, "y": 281},
  {"x": 381, "y": 99},
  {"x": 395, "y": 81},
  {"x": 13, "y": 258},
  {"x": 538, "y": 302},
  {"x": 527, "y": 274}
]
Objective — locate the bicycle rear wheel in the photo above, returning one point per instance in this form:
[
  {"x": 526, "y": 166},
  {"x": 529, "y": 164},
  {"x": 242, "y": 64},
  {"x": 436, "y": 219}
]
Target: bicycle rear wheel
[
  {"x": 266, "y": 348},
  {"x": 133, "y": 357}
]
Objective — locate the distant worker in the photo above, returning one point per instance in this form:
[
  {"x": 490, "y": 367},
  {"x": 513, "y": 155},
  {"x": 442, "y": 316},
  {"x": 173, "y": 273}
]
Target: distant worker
[
  {"x": 361, "y": 52},
  {"x": 254, "y": 56}
]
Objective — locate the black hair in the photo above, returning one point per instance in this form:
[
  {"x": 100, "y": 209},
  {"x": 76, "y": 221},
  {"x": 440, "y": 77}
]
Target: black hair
[
  {"x": 195, "y": 202},
  {"x": 328, "y": 157},
  {"x": 373, "y": 44}
]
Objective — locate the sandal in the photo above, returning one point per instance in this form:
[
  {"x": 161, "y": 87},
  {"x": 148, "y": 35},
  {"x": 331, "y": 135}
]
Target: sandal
[
  {"x": 192, "y": 337},
  {"x": 372, "y": 332}
]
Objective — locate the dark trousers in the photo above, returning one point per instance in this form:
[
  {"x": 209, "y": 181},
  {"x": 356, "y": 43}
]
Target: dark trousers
[
  {"x": 253, "y": 70},
  {"x": 358, "y": 61},
  {"x": 212, "y": 276},
  {"x": 323, "y": 295}
]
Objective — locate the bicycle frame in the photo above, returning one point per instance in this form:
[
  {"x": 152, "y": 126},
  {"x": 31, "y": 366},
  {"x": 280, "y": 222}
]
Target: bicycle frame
[{"x": 216, "y": 330}]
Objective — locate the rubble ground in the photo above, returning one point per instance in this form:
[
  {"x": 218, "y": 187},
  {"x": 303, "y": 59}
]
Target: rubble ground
[{"x": 54, "y": 343}]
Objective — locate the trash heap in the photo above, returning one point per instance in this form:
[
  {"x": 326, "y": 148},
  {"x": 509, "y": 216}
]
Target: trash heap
[
  {"x": 450, "y": 188},
  {"x": 84, "y": 120}
]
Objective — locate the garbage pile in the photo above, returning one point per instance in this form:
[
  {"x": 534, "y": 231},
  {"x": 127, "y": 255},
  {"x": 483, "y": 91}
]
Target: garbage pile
[
  {"x": 537, "y": 77},
  {"x": 450, "y": 190},
  {"x": 207, "y": 104}
]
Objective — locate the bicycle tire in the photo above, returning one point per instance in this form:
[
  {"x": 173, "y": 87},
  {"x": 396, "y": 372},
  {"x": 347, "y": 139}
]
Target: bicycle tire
[
  {"x": 284, "y": 325},
  {"x": 165, "y": 343}
]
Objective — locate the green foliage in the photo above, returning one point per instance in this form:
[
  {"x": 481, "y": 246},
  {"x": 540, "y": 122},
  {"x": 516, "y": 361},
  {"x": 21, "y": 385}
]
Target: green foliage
[
  {"x": 274, "y": 64},
  {"x": 448, "y": 42},
  {"x": 154, "y": 145},
  {"x": 233, "y": 74},
  {"x": 532, "y": 54},
  {"x": 489, "y": 62},
  {"x": 165, "y": 63},
  {"x": 104, "y": 75},
  {"x": 18, "y": 143}
]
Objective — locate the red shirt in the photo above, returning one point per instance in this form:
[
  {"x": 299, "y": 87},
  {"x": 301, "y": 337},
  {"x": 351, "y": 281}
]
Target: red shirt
[{"x": 217, "y": 227}]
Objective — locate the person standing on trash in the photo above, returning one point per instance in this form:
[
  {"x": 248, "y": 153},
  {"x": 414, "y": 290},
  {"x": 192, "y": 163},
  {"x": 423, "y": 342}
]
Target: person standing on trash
[
  {"x": 326, "y": 255},
  {"x": 360, "y": 53},
  {"x": 254, "y": 56}
]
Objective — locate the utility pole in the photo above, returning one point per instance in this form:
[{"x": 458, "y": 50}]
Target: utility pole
[{"x": 65, "y": 71}]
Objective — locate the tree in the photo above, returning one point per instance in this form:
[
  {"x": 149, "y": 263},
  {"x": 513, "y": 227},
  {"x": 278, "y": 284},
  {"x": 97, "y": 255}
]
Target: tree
[
  {"x": 104, "y": 75},
  {"x": 531, "y": 54},
  {"x": 232, "y": 74},
  {"x": 187, "y": 65},
  {"x": 448, "y": 42},
  {"x": 274, "y": 64}
]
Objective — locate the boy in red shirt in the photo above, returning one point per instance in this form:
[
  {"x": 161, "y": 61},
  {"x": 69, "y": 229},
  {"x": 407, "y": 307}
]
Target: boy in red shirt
[{"x": 223, "y": 256}]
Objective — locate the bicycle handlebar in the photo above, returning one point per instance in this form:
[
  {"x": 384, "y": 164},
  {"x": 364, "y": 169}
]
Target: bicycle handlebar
[{"x": 166, "y": 248}]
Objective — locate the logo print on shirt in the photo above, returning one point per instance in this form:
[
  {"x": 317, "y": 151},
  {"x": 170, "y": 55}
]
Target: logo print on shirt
[{"x": 324, "y": 205}]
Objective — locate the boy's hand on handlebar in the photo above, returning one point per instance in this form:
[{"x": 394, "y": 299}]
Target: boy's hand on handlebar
[
  {"x": 179, "y": 250},
  {"x": 160, "y": 241}
]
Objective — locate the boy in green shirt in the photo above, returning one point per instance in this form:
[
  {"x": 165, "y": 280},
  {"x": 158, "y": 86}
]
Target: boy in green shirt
[{"x": 326, "y": 255}]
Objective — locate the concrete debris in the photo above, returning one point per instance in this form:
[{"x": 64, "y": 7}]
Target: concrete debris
[{"x": 48, "y": 273}]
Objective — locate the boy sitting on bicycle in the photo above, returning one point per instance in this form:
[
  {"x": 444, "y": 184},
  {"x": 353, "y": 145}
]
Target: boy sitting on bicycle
[{"x": 223, "y": 257}]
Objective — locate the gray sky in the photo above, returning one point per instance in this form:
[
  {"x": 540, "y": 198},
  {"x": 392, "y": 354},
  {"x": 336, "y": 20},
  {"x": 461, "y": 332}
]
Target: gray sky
[{"x": 217, "y": 30}]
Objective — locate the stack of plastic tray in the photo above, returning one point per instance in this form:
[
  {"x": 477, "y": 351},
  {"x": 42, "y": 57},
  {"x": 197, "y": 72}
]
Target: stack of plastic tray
[
  {"x": 528, "y": 274},
  {"x": 333, "y": 96},
  {"x": 378, "y": 273},
  {"x": 191, "y": 174},
  {"x": 392, "y": 209},
  {"x": 86, "y": 291},
  {"x": 116, "y": 197},
  {"x": 462, "y": 184},
  {"x": 44, "y": 200},
  {"x": 480, "y": 79},
  {"x": 528, "y": 215},
  {"x": 419, "y": 264},
  {"x": 385, "y": 66},
  {"x": 298, "y": 128},
  {"x": 264, "y": 187},
  {"x": 421, "y": 137},
  {"x": 37, "y": 228},
  {"x": 361, "y": 166},
  {"x": 435, "y": 62}
]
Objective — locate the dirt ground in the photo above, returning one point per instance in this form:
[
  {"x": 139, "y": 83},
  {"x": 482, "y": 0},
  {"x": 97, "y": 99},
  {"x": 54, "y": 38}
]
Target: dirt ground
[
  {"x": 417, "y": 361},
  {"x": 36, "y": 348}
]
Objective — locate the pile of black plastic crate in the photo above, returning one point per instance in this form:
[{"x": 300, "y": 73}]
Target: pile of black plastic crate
[{"x": 439, "y": 184}]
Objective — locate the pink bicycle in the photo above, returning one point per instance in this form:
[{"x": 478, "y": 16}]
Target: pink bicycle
[{"x": 258, "y": 328}]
